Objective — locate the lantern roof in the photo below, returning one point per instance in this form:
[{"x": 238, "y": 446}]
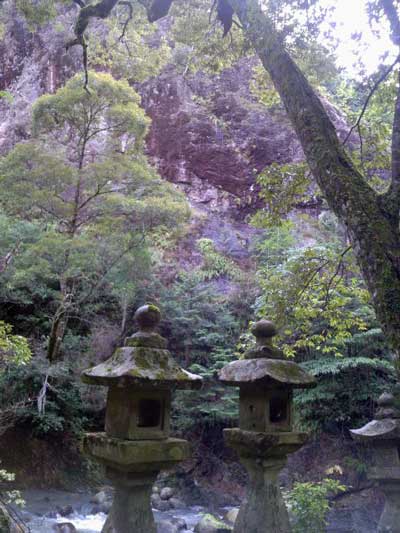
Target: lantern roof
[
  {"x": 386, "y": 424},
  {"x": 265, "y": 364},
  {"x": 143, "y": 361}
]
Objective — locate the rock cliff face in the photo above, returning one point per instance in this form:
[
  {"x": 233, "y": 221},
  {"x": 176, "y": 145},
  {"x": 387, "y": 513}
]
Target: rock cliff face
[{"x": 209, "y": 135}]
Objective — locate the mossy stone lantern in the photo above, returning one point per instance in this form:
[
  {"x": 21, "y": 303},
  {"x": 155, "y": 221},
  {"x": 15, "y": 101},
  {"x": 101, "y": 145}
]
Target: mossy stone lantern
[
  {"x": 265, "y": 434},
  {"x": 136, "y": 444},
  {"x": 382, "y": 436}
]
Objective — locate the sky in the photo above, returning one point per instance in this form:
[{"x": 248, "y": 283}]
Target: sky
[{"x": 350, "y": 16}]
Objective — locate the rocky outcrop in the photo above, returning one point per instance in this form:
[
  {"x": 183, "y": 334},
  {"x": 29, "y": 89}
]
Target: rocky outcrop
[{"x": 211, "y": 137}]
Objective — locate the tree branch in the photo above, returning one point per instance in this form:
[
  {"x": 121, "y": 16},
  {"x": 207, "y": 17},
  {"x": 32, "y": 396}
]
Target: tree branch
[
  {"x": 128, "y": 19},
  {"x": 374, "y": 88}
]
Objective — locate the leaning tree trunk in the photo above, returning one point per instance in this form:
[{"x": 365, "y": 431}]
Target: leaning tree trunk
[{"x": 373, "y": 224}]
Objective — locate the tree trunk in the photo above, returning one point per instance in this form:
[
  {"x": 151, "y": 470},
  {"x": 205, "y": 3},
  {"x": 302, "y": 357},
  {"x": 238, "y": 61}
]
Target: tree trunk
[
  {"x": 57, "y": 332},
  {"x": 373, "y": 230}
]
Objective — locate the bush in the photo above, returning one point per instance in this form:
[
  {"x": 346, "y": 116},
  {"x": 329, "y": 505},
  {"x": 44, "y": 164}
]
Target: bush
[{"x": 310, "y": 504}]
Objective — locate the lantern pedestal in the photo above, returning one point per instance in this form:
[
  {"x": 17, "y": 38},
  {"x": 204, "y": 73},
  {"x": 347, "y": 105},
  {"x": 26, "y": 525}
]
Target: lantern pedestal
[
  {"x": 131, "y": 509},
  {"x": 264, "y": 455},
  {"x": 132, "y": 467}
]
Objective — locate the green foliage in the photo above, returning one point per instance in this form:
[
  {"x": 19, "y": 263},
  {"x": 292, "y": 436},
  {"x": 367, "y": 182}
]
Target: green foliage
[
  {"x": 37, "y": 13},
  {"x": 345, "y": 393},
  {"x": 309, "y": 502},
  {"x": 7, "y": 96},
  {"x": 199, "y": 44},
  {"x": 370, "y": 144},
  {"x": 61, "y": 411},
  {"x": 10, "y": 496},
  {"x": 135, "y": 51},
  {"x": 85, "y": 185},
  {"x": 314, "y": 294},
  {"x": 202, "y": 330},
  {"x": 13, "y": 348},
  {"x": 282, "y": 187},
  {"x": 215, "y": 264}
]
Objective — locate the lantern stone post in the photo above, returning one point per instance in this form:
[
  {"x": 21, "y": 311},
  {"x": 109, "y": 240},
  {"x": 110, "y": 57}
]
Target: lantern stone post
[
  {"x": 136, "y": 444},
  {"x": 265, "y": 434},
  {"x": 383, "y": 436}
]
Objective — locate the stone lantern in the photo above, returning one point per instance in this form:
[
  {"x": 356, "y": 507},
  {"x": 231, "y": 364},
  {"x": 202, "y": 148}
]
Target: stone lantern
[
  {"x": 136, "y": 444},
  {"x": 382, "y": 435},
  {"x": 265, "y": 434}
]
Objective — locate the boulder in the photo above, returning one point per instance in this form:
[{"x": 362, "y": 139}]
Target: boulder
[
  {"x": 166, "y": 493},
  {"x": 159, "y": 504},
  {"x": 210, "y": 524},
  {"x": 65, "y": 511},
  {"x": 175, "y": 525},
  {"x": 231, "y": 515},
  {"x": 100, "y": 498},
  {"x": 176, "y": 503},
  {"x": 64, "y": 527}
]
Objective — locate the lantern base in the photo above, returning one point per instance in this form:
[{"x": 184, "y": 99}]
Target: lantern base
[
  {"x": 132, "y": 467},
  {"x": 264, "y": 455},
  {"x": 135, "y": 456}
]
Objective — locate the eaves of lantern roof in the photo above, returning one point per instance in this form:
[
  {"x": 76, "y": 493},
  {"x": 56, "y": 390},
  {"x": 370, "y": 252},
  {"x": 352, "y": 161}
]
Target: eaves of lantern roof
[{"x": 144, "y": 361}]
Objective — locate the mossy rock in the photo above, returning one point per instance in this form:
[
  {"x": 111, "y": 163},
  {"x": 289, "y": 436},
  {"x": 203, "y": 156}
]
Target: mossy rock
[{"x": 210, "y": 524}]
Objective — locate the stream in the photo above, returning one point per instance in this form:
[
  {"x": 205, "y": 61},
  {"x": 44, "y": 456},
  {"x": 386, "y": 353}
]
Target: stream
[{"x": 40, "y": 512}]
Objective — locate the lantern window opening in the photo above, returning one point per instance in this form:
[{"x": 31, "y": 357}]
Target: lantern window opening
[
  {"x": 278, "y": 410},
  {"x": 150, "y": 413}
]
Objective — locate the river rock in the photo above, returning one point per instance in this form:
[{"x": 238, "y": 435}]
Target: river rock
[
  {"x": 231, "y": 515},
  {"x": 100, "y": 498},
  {"x": 65, "y": 511},
  {"x": 159, "y": 504},
  {"x": 175, "y": 525},
  {"x": 210, "y": 524},
  {"x": 176, "y": 503},
  {"x": 166, "y": 493},
  {"x": 64, "y": 527}
]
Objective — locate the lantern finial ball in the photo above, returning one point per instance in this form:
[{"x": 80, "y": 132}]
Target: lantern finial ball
[
  {"x": 148, "y": 317},
  {"x": 263, "y": 329}
]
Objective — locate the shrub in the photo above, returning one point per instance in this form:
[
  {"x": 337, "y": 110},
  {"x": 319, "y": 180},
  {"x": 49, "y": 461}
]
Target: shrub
[{"x": 310, "y": 504}]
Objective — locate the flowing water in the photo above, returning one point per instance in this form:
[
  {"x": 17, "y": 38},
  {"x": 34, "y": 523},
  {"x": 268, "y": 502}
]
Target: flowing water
[{"x": 40, "y": 512}]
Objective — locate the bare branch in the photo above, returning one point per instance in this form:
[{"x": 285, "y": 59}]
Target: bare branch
[
  {"x": 370, "y": 95},
  {"x": 128, "y": 19}
]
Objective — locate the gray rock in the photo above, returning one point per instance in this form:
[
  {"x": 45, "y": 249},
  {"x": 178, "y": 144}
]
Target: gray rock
[
  {"x": 166, "y": 493},
  {"x": 64, "y": 527},
  {"x": 159, "y": 504},
  {"x": 176, "y": 503},
  {"x": 175, "y": 525},
  {"x": 65, "y": 511},
  {"x": 100, "y": 498}
]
